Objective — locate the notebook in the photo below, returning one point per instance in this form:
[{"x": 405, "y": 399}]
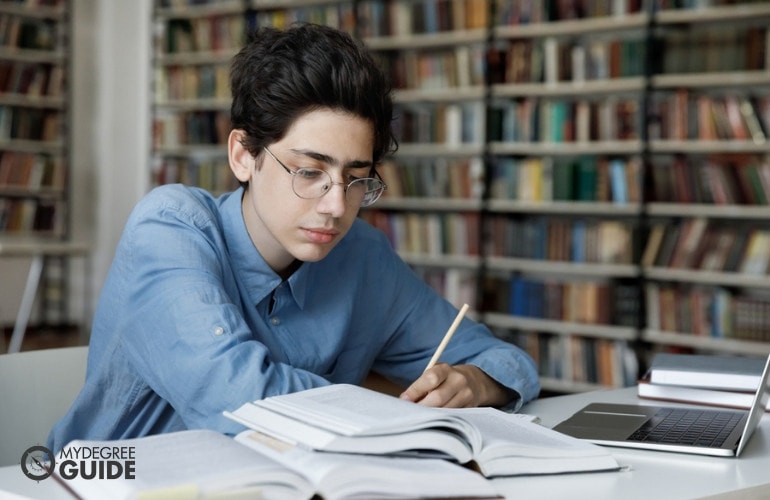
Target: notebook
[{"x": 699, "y": 430}]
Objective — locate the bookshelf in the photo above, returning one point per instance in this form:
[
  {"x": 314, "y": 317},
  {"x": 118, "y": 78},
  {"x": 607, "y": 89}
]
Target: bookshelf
[
  {"x": 434, "y": 54},
  {"x": 33, "y": 119},
  {"x": 193, "y": 45},
  {"x": 35, "y": 58},
  {"x": 547, "y": 156},
  {"x": 564, "y": 196},
  {"x": 706, "y": 259}
]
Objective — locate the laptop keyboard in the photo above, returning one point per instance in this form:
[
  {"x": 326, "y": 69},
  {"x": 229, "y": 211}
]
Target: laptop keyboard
[{"x": 707, "y": 428}]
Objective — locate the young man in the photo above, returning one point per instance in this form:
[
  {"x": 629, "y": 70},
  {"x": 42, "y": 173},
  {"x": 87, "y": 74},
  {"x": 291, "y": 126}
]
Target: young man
[{"x": 278, "y": 287}]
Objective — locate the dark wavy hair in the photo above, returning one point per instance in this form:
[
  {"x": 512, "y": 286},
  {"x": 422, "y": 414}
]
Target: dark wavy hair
[{"x": 280, "y": 75}]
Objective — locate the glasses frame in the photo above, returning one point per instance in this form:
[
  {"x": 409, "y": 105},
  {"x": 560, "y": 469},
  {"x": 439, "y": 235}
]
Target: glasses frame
[{"x": 376, "y": 177}]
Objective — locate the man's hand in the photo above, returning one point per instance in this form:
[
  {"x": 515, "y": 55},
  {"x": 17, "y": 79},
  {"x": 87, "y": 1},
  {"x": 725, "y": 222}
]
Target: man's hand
[{"x": 461, "y": 386}]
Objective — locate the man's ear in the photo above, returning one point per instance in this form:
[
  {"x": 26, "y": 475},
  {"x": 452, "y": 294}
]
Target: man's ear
[{"x": 241, "y": 161}]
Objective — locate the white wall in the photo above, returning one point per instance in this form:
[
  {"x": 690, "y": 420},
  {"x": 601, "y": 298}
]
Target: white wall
[
  {"x": 13, "y": 276},
  {"x": 111, "y": 132}
]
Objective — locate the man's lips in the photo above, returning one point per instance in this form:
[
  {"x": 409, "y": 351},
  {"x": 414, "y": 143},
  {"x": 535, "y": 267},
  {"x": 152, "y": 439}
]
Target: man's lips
[{"x": 320, "y": 235}]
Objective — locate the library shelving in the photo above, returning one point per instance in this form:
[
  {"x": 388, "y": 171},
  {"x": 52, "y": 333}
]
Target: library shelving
[
  {"x": 563, "y": 194},
  {"x": 33, "y": 119},
  {"x": 193, "y": 45},
  {"x": 434, "y": 55},
  {"x": 575, "y": 171},
  {"x": 564, "y": 200},
  {"x": 706, "y": 258},
  {"x": 35, "y": 58}
]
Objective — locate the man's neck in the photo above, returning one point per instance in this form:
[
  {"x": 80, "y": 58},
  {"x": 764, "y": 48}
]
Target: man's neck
[{"x": 288, "y": 271}]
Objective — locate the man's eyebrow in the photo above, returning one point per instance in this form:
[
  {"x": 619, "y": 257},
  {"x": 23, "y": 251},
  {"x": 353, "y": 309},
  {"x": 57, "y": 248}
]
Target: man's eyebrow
[{"x": 329, "y": 160}]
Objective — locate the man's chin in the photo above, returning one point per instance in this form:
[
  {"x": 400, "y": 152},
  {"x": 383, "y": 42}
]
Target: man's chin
[{"x": 313, "y": 254}]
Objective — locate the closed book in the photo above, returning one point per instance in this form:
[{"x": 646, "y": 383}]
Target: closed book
[
  {"x": 719, "y": 372},
  {"x": 563, "y": 181},
  {"x": 751, "y": 120},
  {"x": 756, "y": 259},
  {"x": 696, "y": 395},
  {"x": 690, "y": 240},
  {"x": 654, "y": 240},
  {"x": 587, "y": 174},
  {"x": 618, "y": 179}
]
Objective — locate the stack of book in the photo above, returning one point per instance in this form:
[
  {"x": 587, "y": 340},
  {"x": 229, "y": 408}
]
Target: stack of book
[{"x": 714, "y": 380}]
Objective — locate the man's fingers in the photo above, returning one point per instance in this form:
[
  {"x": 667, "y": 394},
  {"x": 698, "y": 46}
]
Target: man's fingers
[{"x": 426, "y": 383}]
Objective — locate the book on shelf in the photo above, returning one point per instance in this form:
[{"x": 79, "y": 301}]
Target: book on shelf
[
  {"x": 687, "y": 115},
  {"x": 737, "y": 250},
  {"x": 751, "y": 119},
  {"x": 588, "y": 241},
  {"x": 723, "y": 179},
  {"x": 589, "y": 302},
  {"x": 652, "y": 247},
  {"x": 207, "y": 464},
  {"x": 708, "y": 311},
  {"x": 458, "y": 286},
  {"x": 352, "y": 419},
  {"x": 705, "y": 245},
  {"x": 756, "y": 259},
  {"x": 693, "y": 231},
  {"x": 717, "y": 371},
  {"x": 715, "y": 254}
]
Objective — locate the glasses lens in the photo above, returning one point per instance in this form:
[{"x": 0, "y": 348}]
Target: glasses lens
[
  {"x": 356, "y": 191},
  {"x": 371, "y": 190},
  {"x": 311, "y": 182}
]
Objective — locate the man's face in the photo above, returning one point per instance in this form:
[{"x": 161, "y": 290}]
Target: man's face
[{"x": 285, "y": 227}]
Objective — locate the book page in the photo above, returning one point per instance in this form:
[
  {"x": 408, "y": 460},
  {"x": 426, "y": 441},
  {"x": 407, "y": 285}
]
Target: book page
[
  {"x": 339, "y": 475},
  {"x": 425, "y": 440},
  {"x": 352, "y": 410},
  {"x": 515, "y": 446},
  {"x": 507, "y": 434},
  {"x": 185, "y": 464}
]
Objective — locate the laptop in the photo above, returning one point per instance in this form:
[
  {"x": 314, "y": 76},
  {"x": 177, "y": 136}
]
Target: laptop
[{"x": 698, "y": 430}]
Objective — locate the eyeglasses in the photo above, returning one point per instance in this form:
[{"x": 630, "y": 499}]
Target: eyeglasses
[{"x": 309, "y": 183}]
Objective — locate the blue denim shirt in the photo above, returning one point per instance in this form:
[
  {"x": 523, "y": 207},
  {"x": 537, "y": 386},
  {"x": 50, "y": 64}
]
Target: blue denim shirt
[{"x": 185, "y": 328}]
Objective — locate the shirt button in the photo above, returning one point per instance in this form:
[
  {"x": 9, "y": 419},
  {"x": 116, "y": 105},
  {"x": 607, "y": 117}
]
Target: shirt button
[
  {"x": 219, "y": 331},
  {"x": 275, "y": 320}
]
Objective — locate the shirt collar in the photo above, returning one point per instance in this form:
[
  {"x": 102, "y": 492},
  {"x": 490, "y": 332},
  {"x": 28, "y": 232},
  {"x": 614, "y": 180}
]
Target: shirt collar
[
  {"x": 299, "y": 280},
  {"x": 251, "y": 269}
]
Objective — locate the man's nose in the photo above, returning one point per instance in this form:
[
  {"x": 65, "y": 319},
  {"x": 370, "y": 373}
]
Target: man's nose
[{"x": 334, "y": 202}]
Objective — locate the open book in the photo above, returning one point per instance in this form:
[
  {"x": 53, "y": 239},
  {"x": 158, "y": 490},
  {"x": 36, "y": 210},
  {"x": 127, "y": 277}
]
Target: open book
[
  {"x": 205, "y": 464},
  {"x": 352, "y": 419}
]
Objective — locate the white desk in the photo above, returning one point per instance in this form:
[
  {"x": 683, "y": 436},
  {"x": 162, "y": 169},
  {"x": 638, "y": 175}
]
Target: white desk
[
  {"x": 37, "y": 249},
  {"x": 652, "y": 475}
]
